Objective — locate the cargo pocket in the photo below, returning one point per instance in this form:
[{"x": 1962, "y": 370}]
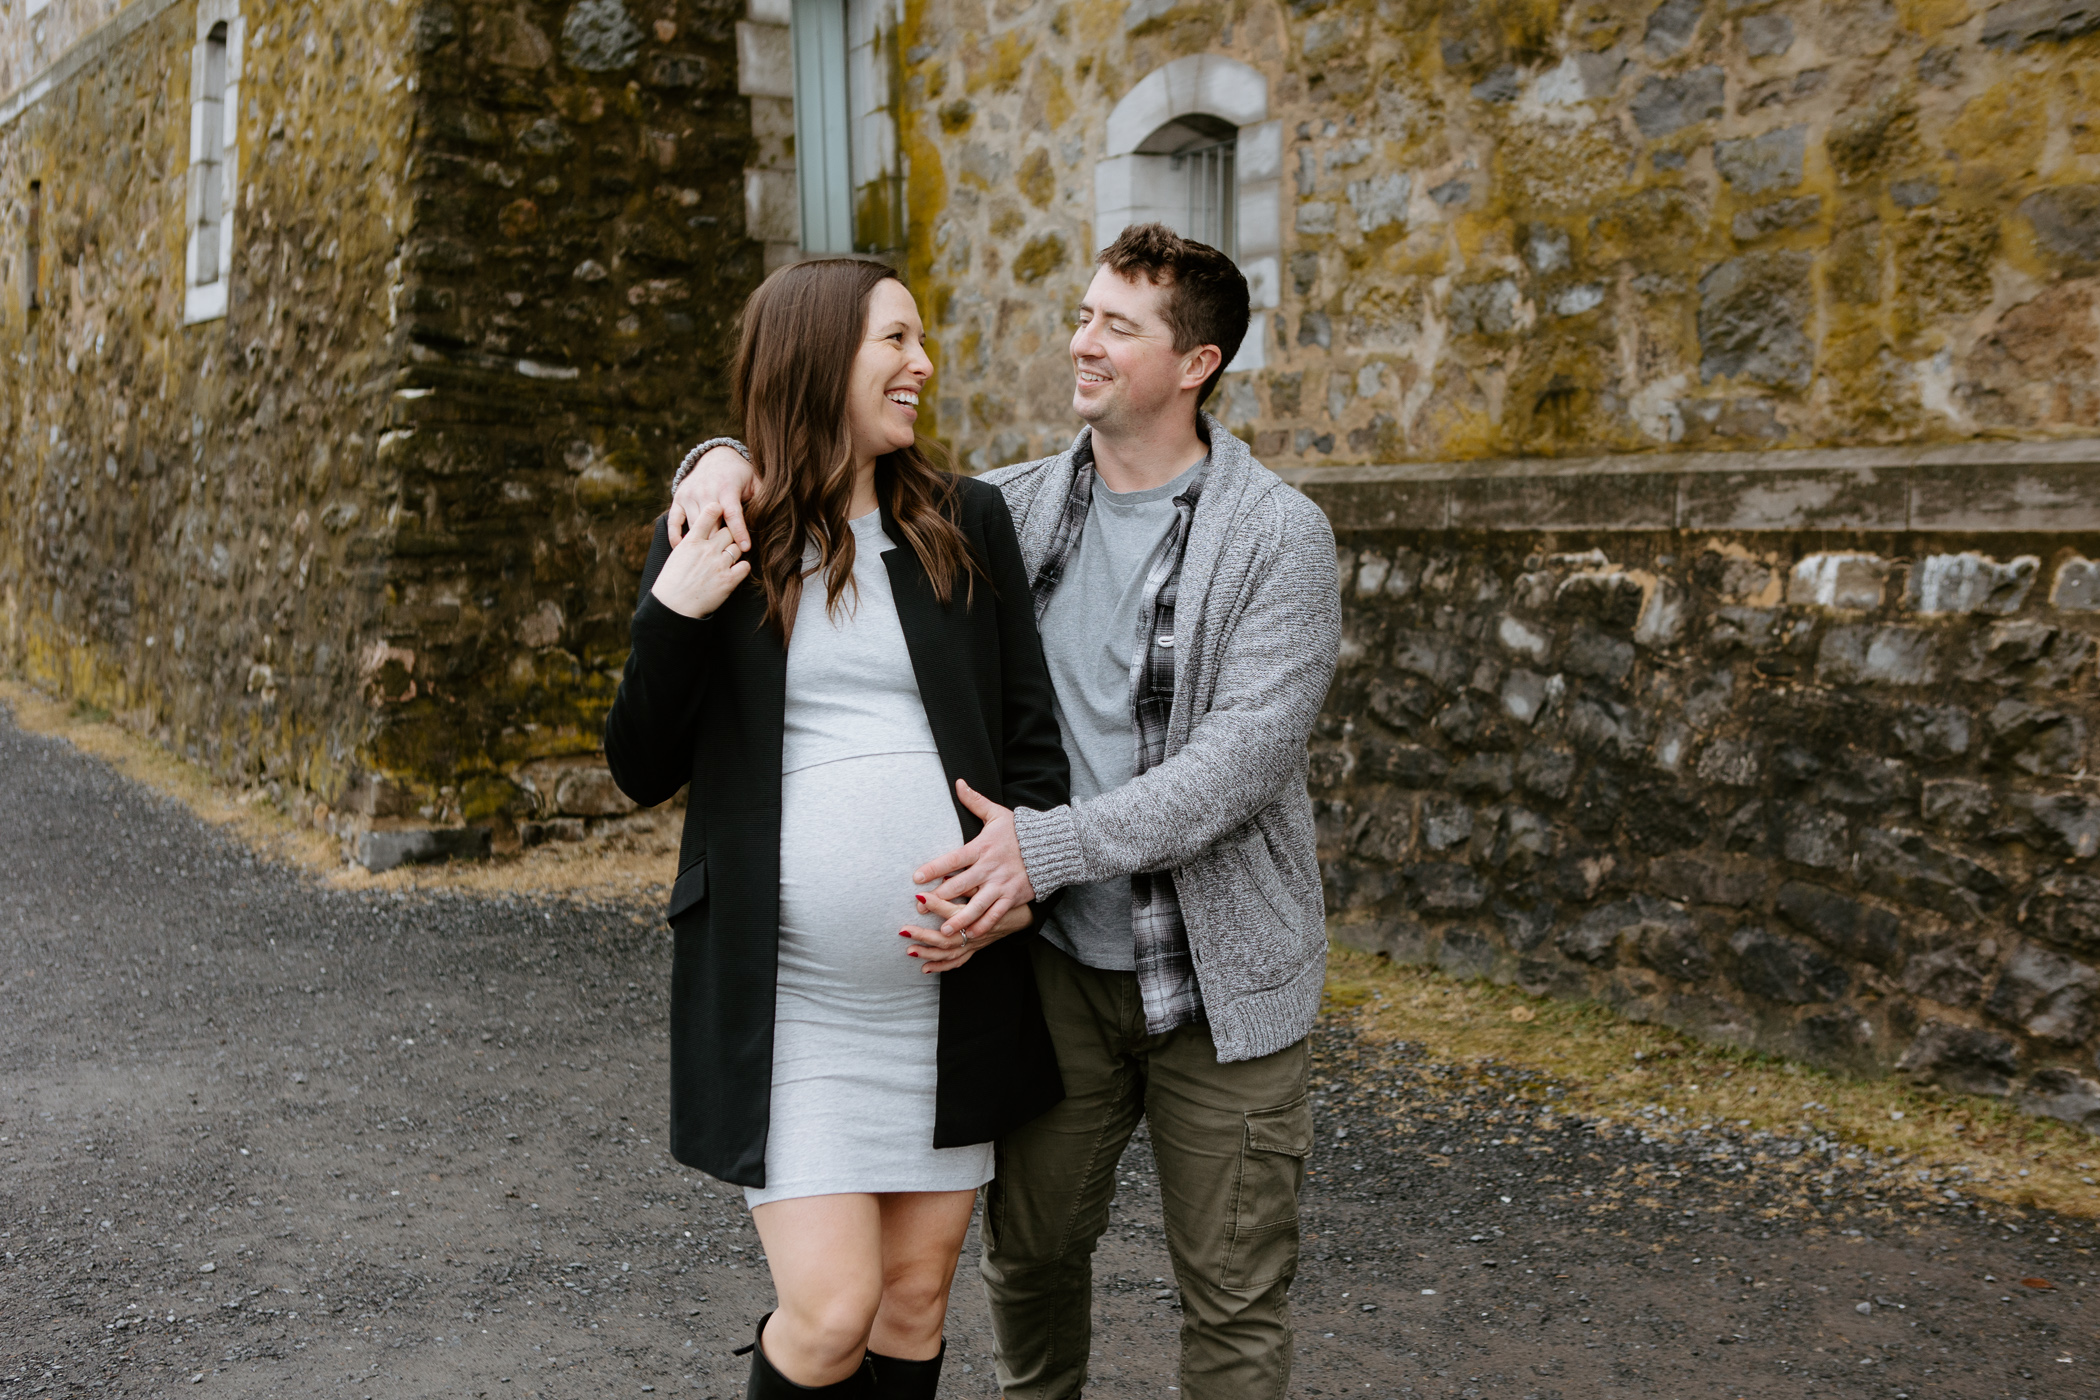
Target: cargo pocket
[{"x": 1264, "y": 1244}]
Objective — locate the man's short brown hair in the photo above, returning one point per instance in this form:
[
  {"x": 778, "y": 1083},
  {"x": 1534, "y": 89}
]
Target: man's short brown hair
[{"x": 1206, "y": 302}]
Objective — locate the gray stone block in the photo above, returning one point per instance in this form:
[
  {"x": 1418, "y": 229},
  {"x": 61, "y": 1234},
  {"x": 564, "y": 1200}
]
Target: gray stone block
[
  {"x": 2077, "y": 587},
  {"x": 1753, "y": 319},
  {"x": 599, "y": 36},
  {"x": 1754, "y": 223},
  {"x": 1957, "y": 805},
  {"x": 1447, "y": 822},
  {"x": 1904, "y": 866},
  {"x": 1858, "y": 655},
  {"x": 1816, "y": 839},
  {"x": 1786, "y": 970},
  {"x": 2047, "y": 995},
  {"x": 2063, "y": 1094},
  {"x": 1766, "y": 35},
  {"x": 1485, "y": 774},
  {"x": 1548, "y": 772},
  {"x": 1758, "y": 164},
  {"x": 1962, "y": 1058},
  {"x": 1464, "y": 953},
  {"x": 2065, "y": 909},
  {"x": 1440, "y": 887},
  {"x": 1592, "y": 653},
  {"x": 1933, "y": 732},
  {"x": 1384, "y": 835},
  {"x": 1524, "y": 695},
  {"x": 1971, "y": 583},
  {"x": 1729, "y": 763},
  {"x": 1948, "y": 976},
  {"x": 379, "y": 851},
  {"x": 1665, "y": 105},
  {"x": 1858, "y": 931},
  {"x": 2019, "y": 23},
  {"x": 2033, "y": 739},
  {"x": 1845, "y": 581},
  {"x": 1672, "y": 26},
  {"x": 1409, "y": 765},
  {"x": 1699, "y": 880}
]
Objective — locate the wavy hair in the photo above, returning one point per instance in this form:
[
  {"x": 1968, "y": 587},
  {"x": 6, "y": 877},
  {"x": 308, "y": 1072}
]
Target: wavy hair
[{"x": 802, "y": 330}]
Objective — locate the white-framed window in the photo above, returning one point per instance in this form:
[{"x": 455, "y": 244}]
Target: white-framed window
[
  {"x": 846, "y": 169},
  {"x": 1191, "y": 146},
  {"x": 1202, "y": 188},
  {"x": 215, "y": 78}
]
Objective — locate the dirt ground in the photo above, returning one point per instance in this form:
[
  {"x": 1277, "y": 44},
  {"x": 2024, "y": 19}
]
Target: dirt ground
[{"x": 262, "y": 1136}]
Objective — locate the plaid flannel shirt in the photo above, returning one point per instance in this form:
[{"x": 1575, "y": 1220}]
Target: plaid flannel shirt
[{"x": 1166, "y": 973}]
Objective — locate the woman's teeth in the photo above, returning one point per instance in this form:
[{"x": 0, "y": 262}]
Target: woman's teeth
[{"x": 903, "y": 396}]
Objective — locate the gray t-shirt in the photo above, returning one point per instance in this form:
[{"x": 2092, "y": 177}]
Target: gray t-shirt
[{"x": 1089, "y": 638}]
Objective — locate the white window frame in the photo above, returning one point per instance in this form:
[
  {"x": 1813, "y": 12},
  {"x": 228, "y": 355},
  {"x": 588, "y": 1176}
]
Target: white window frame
[
  {"x": 823, "y": 125},
  {"x": 845, "y": 133},
  {"x": 214, "y": 131},
  {"x": 1134, "y": 184}
]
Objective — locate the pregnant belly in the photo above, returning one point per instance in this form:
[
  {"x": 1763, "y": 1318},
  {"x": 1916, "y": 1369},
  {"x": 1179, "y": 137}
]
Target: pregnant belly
[{"x": 851, "y": 834}]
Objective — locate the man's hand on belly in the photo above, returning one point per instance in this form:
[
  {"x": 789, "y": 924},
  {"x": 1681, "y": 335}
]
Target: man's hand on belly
[{"x": 989, "y": 870}]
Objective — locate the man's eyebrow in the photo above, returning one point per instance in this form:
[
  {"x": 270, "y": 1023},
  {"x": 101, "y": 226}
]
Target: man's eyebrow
[{"x": 1124, "y": 316}]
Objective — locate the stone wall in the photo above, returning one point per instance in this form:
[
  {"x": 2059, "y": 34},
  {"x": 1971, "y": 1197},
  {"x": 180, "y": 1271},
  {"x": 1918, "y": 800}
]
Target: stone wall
[
  {"x": 194, "y": 529},
  {"x": 1544, "y": 227},
  {"x": 371, "y": 540},
  {"x": 565, "y": 309},
  {"x": 1820, "y": 788}
]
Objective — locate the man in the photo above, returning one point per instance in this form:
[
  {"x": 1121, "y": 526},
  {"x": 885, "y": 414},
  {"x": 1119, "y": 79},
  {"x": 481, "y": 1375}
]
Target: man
[{"x": 1190, "y": 613}]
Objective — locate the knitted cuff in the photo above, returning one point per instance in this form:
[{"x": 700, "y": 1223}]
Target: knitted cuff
[
  {"x": 693, "y": 457},
  {"x": 1049, "y": 848}
]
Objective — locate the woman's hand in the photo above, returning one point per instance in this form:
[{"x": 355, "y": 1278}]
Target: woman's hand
[
  {"x": 945, "y": 952},
  {"x": 720, "y": 482},
  {"x": 703, "y": 570}
]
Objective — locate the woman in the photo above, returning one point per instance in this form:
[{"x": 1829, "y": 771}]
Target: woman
[{"x": 834, "y": 700}]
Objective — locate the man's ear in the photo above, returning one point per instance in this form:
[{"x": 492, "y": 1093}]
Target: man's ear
[{"x": 1199, "y": 365}]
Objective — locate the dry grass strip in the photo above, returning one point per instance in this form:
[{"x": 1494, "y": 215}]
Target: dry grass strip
[
  {"x": 632, "y": 858},
  {"x": 1662, "y": 1081}
]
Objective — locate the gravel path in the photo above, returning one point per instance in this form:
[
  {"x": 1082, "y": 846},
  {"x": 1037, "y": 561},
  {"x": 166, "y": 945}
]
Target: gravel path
[{"x": 261, "y": 1138}]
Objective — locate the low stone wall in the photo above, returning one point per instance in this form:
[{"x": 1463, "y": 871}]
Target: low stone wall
[{"x": 1819, "y": 789}]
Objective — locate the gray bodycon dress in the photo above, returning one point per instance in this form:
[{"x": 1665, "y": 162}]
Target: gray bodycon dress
[{"x": 864, "y": 802}]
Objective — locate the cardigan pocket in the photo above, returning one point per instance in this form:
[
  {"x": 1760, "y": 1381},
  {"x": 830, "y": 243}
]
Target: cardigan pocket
[{"x": 688, "y": 890}]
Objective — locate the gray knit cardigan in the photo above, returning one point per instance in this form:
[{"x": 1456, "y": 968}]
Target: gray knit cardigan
[{"x": 1257, "y": 631}]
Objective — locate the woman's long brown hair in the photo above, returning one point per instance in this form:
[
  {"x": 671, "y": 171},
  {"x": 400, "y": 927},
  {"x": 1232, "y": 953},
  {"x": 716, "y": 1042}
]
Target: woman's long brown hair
[{"x": 802, "y": 330}]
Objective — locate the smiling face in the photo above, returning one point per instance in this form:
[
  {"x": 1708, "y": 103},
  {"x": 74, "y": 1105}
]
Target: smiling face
[
  {"x": 889, "y": 373},
  {"x": 1126, "y": 370}
]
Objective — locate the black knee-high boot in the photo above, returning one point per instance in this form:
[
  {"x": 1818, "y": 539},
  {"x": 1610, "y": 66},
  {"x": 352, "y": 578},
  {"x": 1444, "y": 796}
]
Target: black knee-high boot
[
  {"x": 768, "y": 1384},
  {"x": 897, "y": 1379}
]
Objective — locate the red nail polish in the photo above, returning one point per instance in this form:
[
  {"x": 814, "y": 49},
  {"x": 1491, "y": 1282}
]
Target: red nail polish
[{"x": 920, "y": 897}]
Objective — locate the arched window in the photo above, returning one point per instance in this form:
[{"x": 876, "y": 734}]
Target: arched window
[
  {"x": 1204, "y": 194},
  {"x": 214, "y": 152},
  {"x": 1191, "y": 146}
]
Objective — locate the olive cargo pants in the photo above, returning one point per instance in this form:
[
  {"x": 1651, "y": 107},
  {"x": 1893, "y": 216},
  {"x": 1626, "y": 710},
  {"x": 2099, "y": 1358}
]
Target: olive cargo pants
[{"x": 1231, "y": 1142}]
